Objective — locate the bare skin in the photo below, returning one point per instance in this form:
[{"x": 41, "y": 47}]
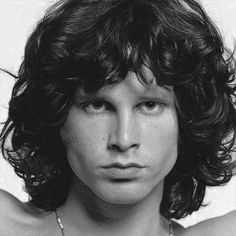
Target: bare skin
[{"x": 17, "y": 218}]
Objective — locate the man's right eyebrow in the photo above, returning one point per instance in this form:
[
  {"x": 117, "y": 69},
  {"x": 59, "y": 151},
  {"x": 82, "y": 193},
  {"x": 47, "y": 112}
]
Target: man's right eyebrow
[{"x": 85, "y": 96}]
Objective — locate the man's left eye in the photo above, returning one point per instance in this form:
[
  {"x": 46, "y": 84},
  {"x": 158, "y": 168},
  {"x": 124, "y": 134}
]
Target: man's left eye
[{"x": 151, "y": 106}]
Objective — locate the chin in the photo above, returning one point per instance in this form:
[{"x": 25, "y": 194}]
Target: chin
[
  {"x": 123, "y": 198},
  {"x": 123, "y": 193}
]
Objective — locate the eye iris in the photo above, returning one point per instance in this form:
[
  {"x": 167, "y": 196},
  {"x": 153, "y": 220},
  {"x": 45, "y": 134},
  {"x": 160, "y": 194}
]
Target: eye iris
[
  {"x": 97, "y": 104},
  {"x": 150, "y": 104}
]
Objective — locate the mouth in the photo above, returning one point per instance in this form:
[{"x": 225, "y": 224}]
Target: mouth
[
  {"x": 123, "y": 166},
  {"x": 122, "y": 172}
]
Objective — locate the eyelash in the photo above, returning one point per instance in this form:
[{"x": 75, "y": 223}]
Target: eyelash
[
  {"x": 85, "y": 105},
  {"x": 159, "y": 104},
  {"x": 91, "y": 101}
]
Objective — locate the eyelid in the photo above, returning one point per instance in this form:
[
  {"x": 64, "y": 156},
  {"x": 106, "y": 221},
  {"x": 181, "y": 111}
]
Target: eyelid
[
  {"x": 158, "y": 107},
  {"x": 156, "y": 100},
  {"x": 86, "y": 101}
]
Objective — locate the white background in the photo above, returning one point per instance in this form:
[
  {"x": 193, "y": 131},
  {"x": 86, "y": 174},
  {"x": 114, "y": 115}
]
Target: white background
[{"x": 17, "y": 19}]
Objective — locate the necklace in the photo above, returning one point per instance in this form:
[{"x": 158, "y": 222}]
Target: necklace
[
  {"x": 59, "y": 222},
  {"x": 61, "y": 227}
]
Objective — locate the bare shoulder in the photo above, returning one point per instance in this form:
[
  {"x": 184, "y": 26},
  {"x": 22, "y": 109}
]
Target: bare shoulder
[
  {"x": 9, "y": 205},
  {"x": 12, "y": 210},
  {"x": 19, "y": 218},
  {"x": 219, "y": 226}
]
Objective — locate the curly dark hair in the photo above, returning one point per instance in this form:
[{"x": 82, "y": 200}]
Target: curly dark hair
[{"x": 93, "y": 43}]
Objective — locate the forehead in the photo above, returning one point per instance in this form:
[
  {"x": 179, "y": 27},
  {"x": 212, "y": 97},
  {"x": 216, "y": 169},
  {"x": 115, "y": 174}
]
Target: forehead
[{"x": 132, "y": 86}]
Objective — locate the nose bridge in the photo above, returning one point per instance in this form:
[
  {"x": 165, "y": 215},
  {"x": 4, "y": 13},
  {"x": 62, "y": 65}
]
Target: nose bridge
[
  {"x": 124, "y": 134},
  {"x": 125, "y": 124}
]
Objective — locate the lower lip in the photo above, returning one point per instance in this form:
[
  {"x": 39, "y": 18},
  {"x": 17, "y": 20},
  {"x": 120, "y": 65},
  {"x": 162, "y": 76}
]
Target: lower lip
[{"x": 123, "y": 173}]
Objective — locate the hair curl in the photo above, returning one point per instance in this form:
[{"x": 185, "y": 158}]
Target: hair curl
[{"x": 92, "y": 43}]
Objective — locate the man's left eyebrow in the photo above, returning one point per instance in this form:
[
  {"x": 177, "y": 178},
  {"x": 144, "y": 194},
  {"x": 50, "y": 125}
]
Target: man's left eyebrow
[
  {"x": 161, "y": 93},
  {"x": 167, "y": 88}
]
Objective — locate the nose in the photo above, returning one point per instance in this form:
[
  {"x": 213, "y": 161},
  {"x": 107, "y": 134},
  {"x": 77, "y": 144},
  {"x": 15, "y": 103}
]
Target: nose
[{"x": 124, "y": 133}]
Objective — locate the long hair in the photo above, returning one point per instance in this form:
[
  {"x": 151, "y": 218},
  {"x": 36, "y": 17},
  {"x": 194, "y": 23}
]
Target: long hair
[{"x": 93, "y": 43}]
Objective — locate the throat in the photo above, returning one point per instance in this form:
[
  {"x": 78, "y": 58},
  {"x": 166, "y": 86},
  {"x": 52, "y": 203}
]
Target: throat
[
  {"x": 90, "y": 215},
  {"x": 99, "y": 210}
]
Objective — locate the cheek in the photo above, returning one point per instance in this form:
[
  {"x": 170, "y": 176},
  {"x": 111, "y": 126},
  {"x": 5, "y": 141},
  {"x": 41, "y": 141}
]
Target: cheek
[
  {"x": 161, "y": 142},
  {"x": 161, "y": 133},
  {"x": 83, "y": 139}
]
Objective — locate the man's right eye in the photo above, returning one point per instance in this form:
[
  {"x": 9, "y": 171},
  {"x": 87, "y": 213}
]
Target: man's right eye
[{"x": 95, "y": 106}]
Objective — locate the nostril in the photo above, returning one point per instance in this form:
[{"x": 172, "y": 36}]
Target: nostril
[
  {"x": 122, "y": 148},
  {"x": 114, "y": 147},
  {"x": 135, "y": 145}
]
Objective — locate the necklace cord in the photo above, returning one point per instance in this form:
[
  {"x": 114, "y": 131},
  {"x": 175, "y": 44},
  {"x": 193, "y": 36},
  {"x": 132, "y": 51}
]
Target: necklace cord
[
  {"x": 59, "y": 222},
  {"x": 171, "y": 232},
  {"x": 61, "y": 227}
]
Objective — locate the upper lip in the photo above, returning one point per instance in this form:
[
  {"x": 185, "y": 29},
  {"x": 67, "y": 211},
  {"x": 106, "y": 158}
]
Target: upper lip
[{"x": 123, "y": 166}]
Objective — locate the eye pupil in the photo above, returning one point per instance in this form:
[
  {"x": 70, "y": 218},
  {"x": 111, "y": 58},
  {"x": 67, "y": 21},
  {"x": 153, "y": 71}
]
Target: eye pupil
[
  {"x": 150, "y": 104},
  {"x": 97, "y": 104}
]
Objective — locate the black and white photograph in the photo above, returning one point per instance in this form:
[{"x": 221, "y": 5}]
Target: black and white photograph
[{"x": 117, "y": 117}]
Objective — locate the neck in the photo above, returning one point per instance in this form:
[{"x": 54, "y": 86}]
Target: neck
[{"x": 84, "y": 212}]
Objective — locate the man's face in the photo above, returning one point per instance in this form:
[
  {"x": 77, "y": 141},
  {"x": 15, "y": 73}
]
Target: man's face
[{"x": 122, "y": 141}]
